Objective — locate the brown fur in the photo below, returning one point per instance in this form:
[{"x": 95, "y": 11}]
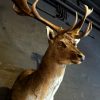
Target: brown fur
[
  {"x": 37, "y": 83},
  {"x": 42, "y": 84}
]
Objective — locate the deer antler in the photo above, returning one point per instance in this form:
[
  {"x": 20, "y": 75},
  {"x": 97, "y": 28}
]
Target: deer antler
[
  {"x": 75, "y": 30},
  {"x": 86, "y": 32},
  {"x": 38, "y": 17},
  {"x": 81, "y": 22},
  {"x": 78, "y": 26},
  {"x": 74, "y": 24},
  {"x": 22, "y": 7}
]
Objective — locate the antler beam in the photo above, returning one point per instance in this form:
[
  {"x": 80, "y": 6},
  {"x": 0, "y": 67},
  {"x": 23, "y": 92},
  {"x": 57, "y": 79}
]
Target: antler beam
[
  {"x": 79, "y": 25},
  {"x": 22, "y": 7}
]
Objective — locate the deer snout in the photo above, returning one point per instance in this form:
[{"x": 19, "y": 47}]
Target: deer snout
[{"x": 81, "y": 56}]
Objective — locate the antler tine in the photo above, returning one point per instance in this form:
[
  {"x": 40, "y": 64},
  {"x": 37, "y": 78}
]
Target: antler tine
[
  {"x": 21, "y": 7},
  {"x": 38, "y": 17},
  {"x": 86, "y": 32},
  {"x": 16, "y": 9},
  {"x": 75, "y": 22},
  {"x": 79, "y": 25}
]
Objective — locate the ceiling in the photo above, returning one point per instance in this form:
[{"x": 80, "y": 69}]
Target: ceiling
[{"x": 97, "y": 2}]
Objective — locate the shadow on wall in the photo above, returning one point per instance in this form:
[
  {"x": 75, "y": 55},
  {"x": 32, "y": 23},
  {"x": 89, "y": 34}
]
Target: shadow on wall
[
  {"x": 4, "y": 93},
  {"x": 37, "y": 57}
]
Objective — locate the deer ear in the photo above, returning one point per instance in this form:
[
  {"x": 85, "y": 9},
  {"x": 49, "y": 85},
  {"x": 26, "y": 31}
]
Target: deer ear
[{"x": 50, "y": 33}]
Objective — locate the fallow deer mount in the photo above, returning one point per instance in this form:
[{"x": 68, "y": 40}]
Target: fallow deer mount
[{"x": 42, "y": 84}]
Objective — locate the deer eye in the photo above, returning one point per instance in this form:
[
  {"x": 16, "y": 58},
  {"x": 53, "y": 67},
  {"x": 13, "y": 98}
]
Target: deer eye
[
  {"x": 74, "y": 44},
  {"x": 61, "y": 44}
]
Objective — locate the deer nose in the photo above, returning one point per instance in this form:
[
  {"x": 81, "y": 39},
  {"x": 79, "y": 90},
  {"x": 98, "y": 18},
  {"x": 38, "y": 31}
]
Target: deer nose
[{"x": 81, "y": 56}]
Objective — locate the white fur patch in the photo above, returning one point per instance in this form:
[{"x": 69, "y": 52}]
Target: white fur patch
[
  {"x": 53, "y": 88},
  {"x": 30, "y": 97},
  {"x": 77, "y": 41}
]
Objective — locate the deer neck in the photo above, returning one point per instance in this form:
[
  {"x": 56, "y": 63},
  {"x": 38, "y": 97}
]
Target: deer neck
[
  {"x": 50, "y": 66},
  {"x": 51, "y": 75}
]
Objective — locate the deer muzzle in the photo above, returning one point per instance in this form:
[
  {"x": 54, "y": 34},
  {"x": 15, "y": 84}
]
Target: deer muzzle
[{"x": 81, "y": 57}]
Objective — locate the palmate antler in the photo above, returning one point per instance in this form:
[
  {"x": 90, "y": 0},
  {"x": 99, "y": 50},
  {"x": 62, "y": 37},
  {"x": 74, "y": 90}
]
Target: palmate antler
[
  {"x": 75, "y": 30},
  {"x": 22, "y": 7}
]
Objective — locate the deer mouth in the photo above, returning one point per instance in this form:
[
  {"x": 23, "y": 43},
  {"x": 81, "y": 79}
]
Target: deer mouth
[
  {"x": 79, "y": 59},
  {"x": 76, "y": 61}
]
